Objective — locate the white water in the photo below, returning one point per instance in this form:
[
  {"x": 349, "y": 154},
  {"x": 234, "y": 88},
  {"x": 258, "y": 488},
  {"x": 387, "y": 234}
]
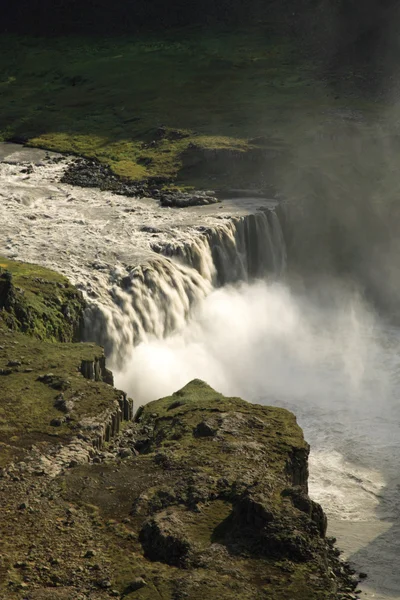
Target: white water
[{"x": 116, "y": 250}]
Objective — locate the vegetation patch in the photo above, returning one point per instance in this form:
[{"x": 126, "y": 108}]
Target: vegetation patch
[
  {"x": 43, "y": 392},
  {"x": 139, "y": 104},
  {"x": 39, "y": 302}
]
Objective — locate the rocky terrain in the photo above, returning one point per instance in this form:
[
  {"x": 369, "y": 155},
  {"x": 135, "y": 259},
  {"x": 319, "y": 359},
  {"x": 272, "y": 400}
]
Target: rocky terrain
[{"x": 197, "y": 496}]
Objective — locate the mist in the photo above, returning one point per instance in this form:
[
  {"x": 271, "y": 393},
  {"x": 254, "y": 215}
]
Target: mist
[
  {"x": 254, "y": 339},
  {"x": 321, "y": 352}
]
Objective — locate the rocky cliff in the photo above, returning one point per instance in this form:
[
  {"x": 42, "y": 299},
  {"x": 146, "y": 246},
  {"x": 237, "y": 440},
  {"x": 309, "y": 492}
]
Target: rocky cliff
[{"x": 199, "y": 496}]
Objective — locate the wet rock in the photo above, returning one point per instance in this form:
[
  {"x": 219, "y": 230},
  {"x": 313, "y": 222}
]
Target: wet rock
[
  {"x": 90, "y": 173},
  {"x": 184, "y": 199}
]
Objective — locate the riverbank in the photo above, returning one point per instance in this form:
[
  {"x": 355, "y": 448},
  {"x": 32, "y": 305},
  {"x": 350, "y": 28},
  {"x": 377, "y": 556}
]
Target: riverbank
[{"x": 210, "y": 109}]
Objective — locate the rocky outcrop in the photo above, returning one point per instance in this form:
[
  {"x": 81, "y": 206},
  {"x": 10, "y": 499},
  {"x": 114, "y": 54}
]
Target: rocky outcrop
[
  {"x": 104, "y": 427},
  {"x": 39, "y": 302},
  {"x": 200, "y": 496},
  {"x": 197, "y": 496},
  {"x": 185, "y": 199},
  {"x": 64, "y": 407},
  {"x": 96, "y": 370},
  {"x": 248, "y": 461}
]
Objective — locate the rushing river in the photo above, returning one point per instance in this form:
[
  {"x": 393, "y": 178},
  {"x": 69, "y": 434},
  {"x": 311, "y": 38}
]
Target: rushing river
[{"x": 314, "y": 346}]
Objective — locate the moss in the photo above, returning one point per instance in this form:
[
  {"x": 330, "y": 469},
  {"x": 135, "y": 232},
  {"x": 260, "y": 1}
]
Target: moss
[
  {"x": 110, "y": 99},
  {"x": 40, "y": 315},
  {"x": 39, "y": 302},
  {"x": 179, "y": 414},
  {"x": 187, "y": 491},
  {"x": 27, "y": 405},
  {"x": 191, "y": 497}
]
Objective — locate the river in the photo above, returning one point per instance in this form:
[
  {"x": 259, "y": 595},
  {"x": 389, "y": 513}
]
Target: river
[{"x": 316, "y": 346}]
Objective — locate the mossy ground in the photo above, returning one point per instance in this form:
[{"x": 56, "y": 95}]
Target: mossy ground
[
  {"x": 106, "y": 98},
  {"x": 27, "y": 404},
  {"x": 39, "y": 302},
  {"x": 34, "y": 325},
  {"x": 179, "y": 474}
]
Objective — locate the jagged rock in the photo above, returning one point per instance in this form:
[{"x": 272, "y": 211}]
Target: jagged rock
[
  {"x": 125, "y": 453},
  {"x": 302, "y": 502},
  {"x": 56, "y": 382},
  {"x": 14, "y": 363},
  {"x": 63, "y": 404},
  {"x": 205, "y": 429},
  {"x": 5, "y": 371},
  {"x": 135, "y": 585},
  {"x": 253, "y": 511},
  {"x": 163, "y": 540},
  {"x": 184, "y": 199},
  {"x": 214, "y": 507}
]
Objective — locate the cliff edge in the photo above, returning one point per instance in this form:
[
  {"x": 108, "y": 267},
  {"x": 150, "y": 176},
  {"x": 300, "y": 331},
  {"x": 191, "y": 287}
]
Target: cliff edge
[{"x": 199, "y": 496}]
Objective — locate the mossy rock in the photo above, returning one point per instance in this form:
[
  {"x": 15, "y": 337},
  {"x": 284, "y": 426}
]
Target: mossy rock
[
  {"x": 39, "y": 302},
  {"x": 214, "y": 506},
  {"x": 45, "y": 391}
]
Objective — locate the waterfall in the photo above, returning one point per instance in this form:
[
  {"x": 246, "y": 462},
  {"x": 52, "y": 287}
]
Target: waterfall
[
  {"x": 240, "y": 250},
  {"x": 155, "y": 298}
]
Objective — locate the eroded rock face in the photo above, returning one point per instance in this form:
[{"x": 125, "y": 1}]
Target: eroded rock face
[
  {"x": 201, "y": 496},
  {"x": 215, "y": 500},
  {"x": 244, "y": 456}
]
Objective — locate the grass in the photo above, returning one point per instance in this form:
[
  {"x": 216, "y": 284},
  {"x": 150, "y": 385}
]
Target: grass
[
  {"x": 40, "y": 302},
  {"x": 177, "y": 416},
  {"x": 36, "y": 335},
  {"x": 27, "y": 404},
  {"x": 200, "y": 466},
  {"x": 107, "y": 98}
]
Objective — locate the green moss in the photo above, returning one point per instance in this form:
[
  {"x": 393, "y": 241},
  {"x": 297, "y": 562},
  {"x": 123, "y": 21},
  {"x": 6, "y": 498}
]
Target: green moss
[
  {"x": 40, "y": 314},
  {"x": 108, "y": 98},
  {"x": 27, "y": 404},
  {"x": 179, "y": 414},
  {"x": 39, "y": 302}
]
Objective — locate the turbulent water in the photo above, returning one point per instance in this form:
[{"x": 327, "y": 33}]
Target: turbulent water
[
  {"x": 175, "y": 295},
  {"x": 140, "y": 267}
]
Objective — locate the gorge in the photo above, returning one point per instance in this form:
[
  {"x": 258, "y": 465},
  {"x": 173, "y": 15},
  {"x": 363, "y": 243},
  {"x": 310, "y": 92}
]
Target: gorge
[
  {"x": 199, "y": 316},
  {"x": 209, "y": 293}
]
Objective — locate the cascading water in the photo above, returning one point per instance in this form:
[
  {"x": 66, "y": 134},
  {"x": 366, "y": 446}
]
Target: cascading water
[
  {"x": 155, "y": 298},
  {"x": 240, "y": 250},
  {"x": 172, "y": 301}
]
